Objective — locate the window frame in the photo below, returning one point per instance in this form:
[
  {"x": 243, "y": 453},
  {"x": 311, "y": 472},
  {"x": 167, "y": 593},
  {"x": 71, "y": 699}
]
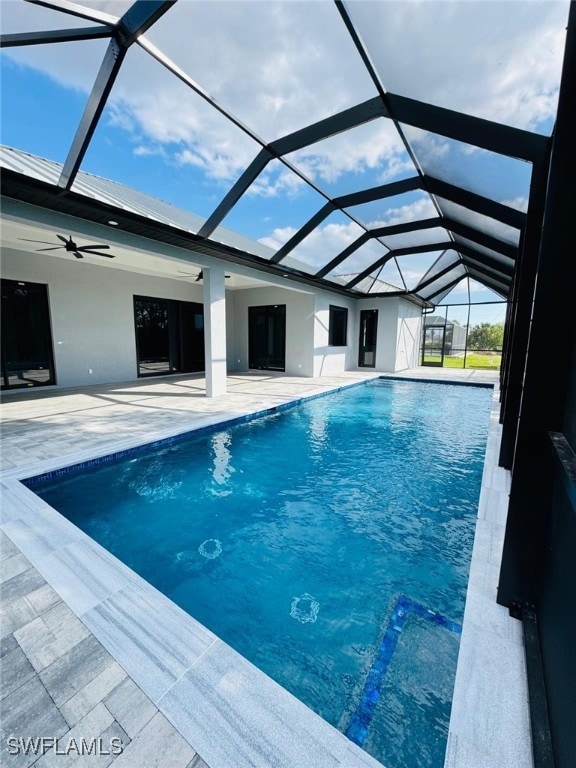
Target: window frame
[{"x": 340, "y": 341}]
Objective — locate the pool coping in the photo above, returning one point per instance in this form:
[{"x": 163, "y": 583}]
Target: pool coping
[{"x": 174, "y": 659}]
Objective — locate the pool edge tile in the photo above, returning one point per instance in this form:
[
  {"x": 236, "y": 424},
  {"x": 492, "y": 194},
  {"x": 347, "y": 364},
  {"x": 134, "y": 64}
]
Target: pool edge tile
[{"x": 254, "y": 721}]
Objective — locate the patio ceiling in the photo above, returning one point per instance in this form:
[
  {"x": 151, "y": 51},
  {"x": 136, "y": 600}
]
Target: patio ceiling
[{"x": 454, "y": 176}]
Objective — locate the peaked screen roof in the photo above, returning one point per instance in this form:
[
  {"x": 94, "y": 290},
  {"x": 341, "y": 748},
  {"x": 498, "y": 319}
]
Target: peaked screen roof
[{"x": 371, "y": 147}]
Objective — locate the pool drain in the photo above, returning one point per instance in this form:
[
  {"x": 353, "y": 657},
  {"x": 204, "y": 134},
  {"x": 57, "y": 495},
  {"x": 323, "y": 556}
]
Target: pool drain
[
  {"x": 305, "y": 608},
  {"x": 211, "y": 548}
]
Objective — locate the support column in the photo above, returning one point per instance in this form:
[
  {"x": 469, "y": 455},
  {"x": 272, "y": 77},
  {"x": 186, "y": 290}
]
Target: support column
[
  {"x": 215, "y": 330},
  {"x": 547, "y": 382}
]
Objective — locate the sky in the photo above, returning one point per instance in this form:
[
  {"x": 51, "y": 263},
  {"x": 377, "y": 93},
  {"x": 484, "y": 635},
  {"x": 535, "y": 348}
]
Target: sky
[{"x": 276, "y": 67}]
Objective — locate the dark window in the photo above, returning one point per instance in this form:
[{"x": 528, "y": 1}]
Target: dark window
[
  {"x": 26, "y": 336},
  {"x": 338, "y": 326},
  {"x": 169, "y": 336},
  {"x": 267, "y": 337},
  {"x": 367, "y": 340}
]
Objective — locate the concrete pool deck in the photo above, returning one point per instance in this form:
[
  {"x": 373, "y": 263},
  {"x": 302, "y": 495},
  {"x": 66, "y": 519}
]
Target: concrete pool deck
[{"x": 228, "y": 713}]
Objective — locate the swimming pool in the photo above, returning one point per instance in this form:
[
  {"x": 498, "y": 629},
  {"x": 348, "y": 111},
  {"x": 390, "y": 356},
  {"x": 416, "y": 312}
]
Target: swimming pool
[{"x": 314, "y": 542}]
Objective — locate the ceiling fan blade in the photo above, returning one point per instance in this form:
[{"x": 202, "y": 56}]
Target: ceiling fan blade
[
  {"x": 55, "y": 248},
  {"x": 92, "y": 247},
  {"x": 64, "y": 239},
  {"x": 78, "y": 255},
  {"x": 29, "y": 240}
]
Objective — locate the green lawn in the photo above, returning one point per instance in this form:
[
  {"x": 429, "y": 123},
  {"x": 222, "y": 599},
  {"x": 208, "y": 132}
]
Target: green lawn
[{"x": 486, "y": 360}]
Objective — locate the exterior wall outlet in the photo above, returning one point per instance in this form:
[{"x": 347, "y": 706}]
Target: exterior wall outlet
[{"x": 90, "y": 370}]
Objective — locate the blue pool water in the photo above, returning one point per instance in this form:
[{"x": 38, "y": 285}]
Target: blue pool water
[{"x": 329, "y": 544}]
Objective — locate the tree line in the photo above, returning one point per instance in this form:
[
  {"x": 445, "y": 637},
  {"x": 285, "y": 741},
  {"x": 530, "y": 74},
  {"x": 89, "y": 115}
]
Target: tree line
[{"x": 485, "y": 336}]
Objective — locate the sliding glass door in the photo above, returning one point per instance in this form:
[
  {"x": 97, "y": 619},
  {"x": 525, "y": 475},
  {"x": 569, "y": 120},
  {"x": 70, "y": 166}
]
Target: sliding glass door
[
  {"x": 27, "y": 358},
  {"x": 267, "y": 337},
  {"x": 367, "y": 341},
  {"x": 169, "y": 336}
]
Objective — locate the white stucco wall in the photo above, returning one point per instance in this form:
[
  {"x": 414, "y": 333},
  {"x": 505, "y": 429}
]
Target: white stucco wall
[
  {"x": 409, "y": 335},
  {"x": 92, "y": 313},
  {"x": 333, "y": 360},
  {"x": 387, "y": 330},
  {"x": 299, "y": 327},
  {"x": 92, "y": 320},
  {"x": 398, "y": 336}
]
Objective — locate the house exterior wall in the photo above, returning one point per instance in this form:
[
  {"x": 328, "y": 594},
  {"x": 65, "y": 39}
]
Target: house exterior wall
[
  {"x": 329, "y": 360},
  {"x": 399, "y": 332},
  {"x": 299, "y": 327},
  {"x": 92, "y": 313},
  {"x": 92, "y": 318},
  {"x": 409, "y": 336}
]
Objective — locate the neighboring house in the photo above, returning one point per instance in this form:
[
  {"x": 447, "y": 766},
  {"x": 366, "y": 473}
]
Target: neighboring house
[{"x": 454, "y": 335}]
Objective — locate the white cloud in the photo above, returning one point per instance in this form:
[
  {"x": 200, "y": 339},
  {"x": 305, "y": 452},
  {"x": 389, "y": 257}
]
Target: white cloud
[
  {"x": 520, "y": 203},
  {"x": 321, "y": 245},
  {"x": 372, "y": 153},
  {"x": 423, "y": 208},
  {"x": 276, "y": 180},
  {"x": 279, "y": 66},
  {"x": 498, "y": 60},
  {"x": 278, "y": 237}
]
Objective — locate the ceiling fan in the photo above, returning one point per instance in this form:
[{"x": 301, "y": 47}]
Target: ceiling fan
[
  {"x": 72, "y": 247},
  {"x": 199, "y": 276}
]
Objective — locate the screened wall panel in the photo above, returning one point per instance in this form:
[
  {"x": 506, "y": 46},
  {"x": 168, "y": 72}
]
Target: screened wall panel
[
  {"x": 357, "y": 262},
  {"x": 481, "y": 249},
  {"x": 432, "y": 290},
  {"x": 363, "y": 157},
  {"x": 413, "y": 268},
  {"x": 399, "y": 209},
  {"x": 289, "y": 203},
  {"x": 417, "y": 237},
  {"x": 475, "y": 58},
  {"x": 445, "y": 260},
  {"x": 47, "y": 87},
  {"x": 479, "y": 221},
  {"x": 284, "y": 52},
  {"x": 181, "y": 149},
  {"x": 477, "y": 170},
  {"x": 323, "y": 243}
]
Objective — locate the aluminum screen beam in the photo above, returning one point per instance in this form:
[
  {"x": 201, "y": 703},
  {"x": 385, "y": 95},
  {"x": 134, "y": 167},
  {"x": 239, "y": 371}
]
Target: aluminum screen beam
[
  {"x": 499, "y": 288},
  {"x": 475, "y": 202},
  {"x": 330, "y": 126},
  {"x": 80, "y": 11},
  {"x": 248, "y": 176},
  {"x": 442, "y": 273},
  {"x": 343, "y": 255},
  {"x": 446, "y": 245},
  {"x": 445, "y": 287},
  {"x": 303, "y": 232},
  {"x": 54, "y": 36},
  {"x": 504, "y": 280},
  {"x": 449, "y": 245},
  {"x": 410, "y": 226},
  {"x": 510, "y": 251},
  {"x": 140, "y": 17},
  {"x": 487, "y": 261},
  {"x": 109, "y": 69},
  {"x": 134, "y": 22},
  {"x": 493, "y": 271},
  {"x": 393, "y": 229},
  {"x": 368, "y": 271},
  {"x": 502, "y": 139},
  {"x": 379, "y": 193}
]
